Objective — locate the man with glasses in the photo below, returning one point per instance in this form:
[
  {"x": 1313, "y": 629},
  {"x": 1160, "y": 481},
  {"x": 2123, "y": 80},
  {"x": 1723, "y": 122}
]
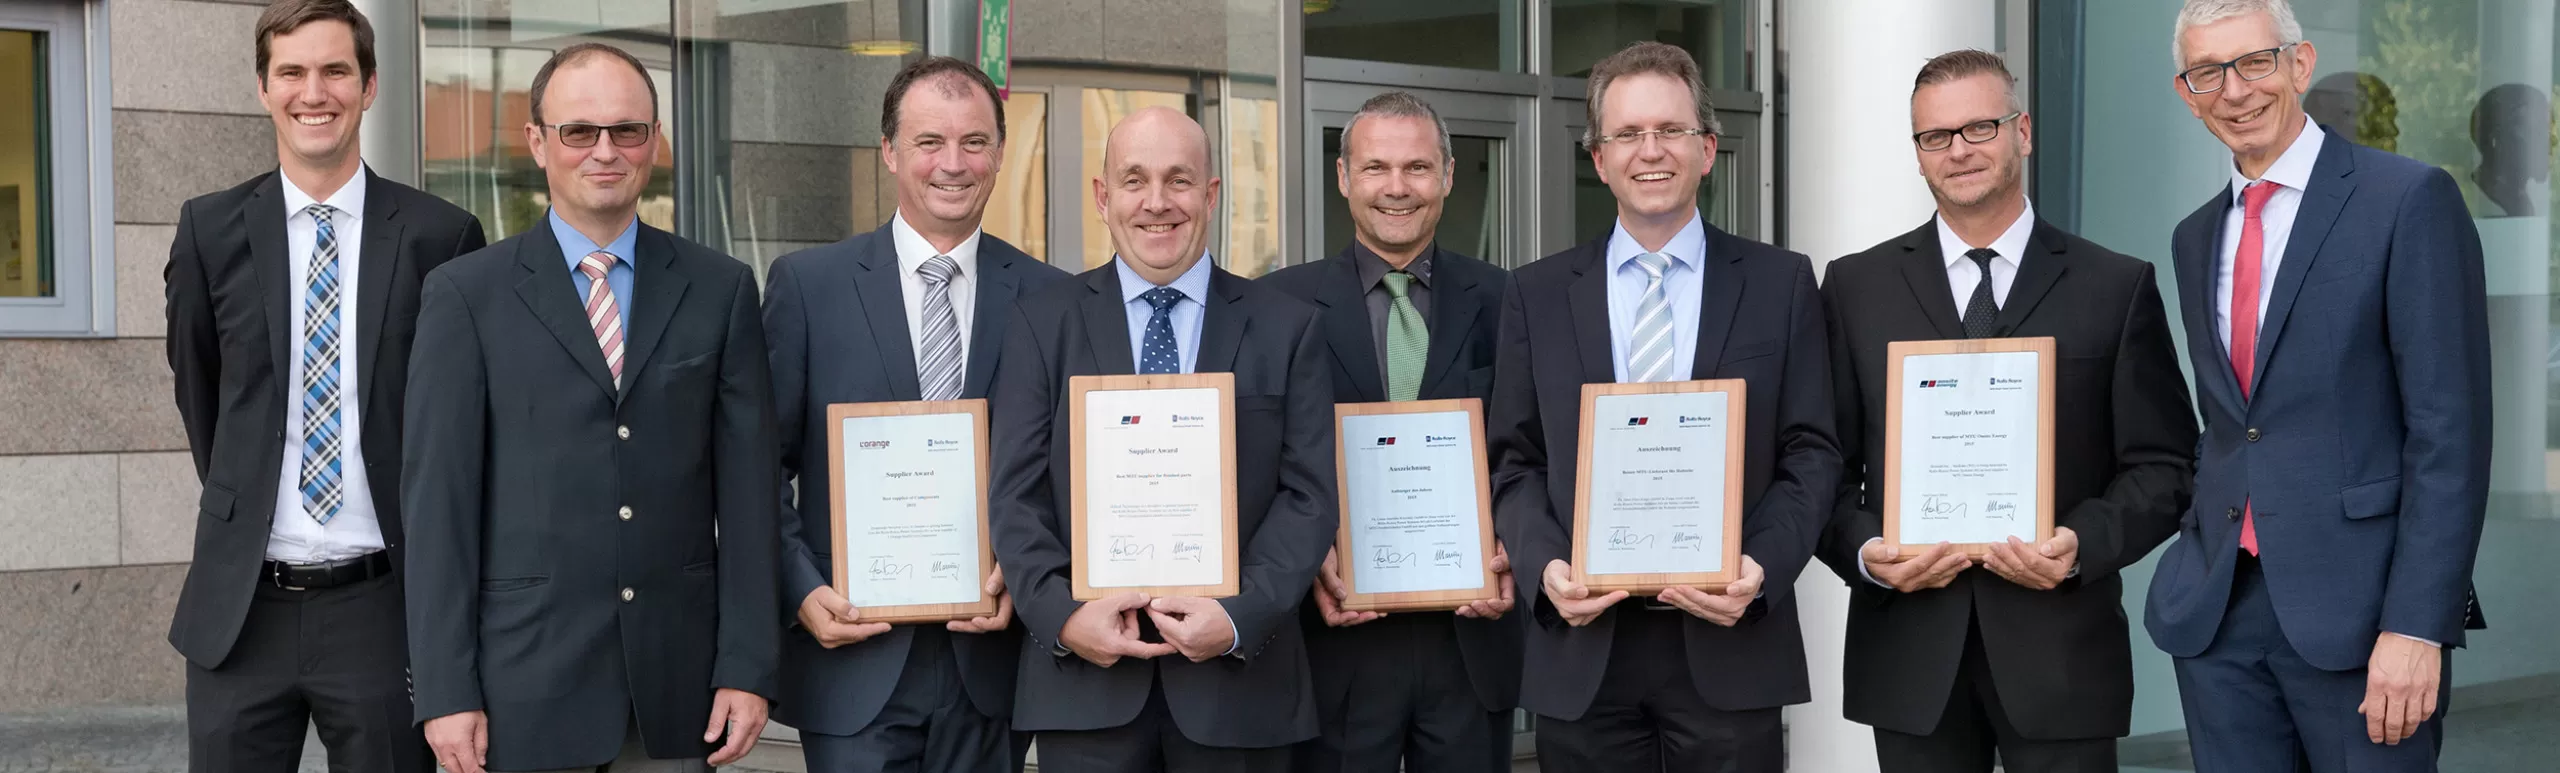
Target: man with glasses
[
  {"x": 591, "y": 470},
  {"x": 1689, "y": 680},
  {"x": 2024, "y": 657},
  {"x": 2333, "y": 298}
]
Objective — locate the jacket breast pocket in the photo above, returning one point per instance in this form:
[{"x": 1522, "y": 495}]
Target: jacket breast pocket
[
  {"x": 2369, "y": 500},
  {"x": 216, "y": 502},
  {"x": 1751, "y": 351}
]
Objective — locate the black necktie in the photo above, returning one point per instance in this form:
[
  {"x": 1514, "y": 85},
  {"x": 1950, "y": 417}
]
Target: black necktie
[{"x": 1982, "y": 313}]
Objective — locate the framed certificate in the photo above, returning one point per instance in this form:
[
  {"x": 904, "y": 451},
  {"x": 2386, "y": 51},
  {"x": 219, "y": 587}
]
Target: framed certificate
[
  {"x": 1657, "y": 501},
  {"x": 1155, "y": 499},
  {"x": 1417, "y": 505},
  {"x": 1968, "y": 454},
  {"x": 910, "y": 509}
]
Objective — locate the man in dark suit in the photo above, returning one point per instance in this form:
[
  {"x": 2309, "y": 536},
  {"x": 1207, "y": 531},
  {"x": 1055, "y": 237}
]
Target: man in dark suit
[
  {"x": 591, "y": 582},
  {"x": 2027, "y": 656},
  {"x": 1690, "y": 680},
  {"x": 1405, "y": 320},
  {"x": 1099, "y": 684},
  {"x": 2333, "y": 297},
  {"x": 291, "y": 300},
  {"x": 911, "y": 311}
]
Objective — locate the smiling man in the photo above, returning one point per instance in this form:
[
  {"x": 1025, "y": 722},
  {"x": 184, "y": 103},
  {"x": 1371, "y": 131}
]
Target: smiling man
[
  {"x": 291, "y": 613},
  {"x": 1128, "y": 682},
  {"x": 1690, "y": 680},
  {"x": 2027, "y": 655},
  {"x": 2334, "y": 299}
]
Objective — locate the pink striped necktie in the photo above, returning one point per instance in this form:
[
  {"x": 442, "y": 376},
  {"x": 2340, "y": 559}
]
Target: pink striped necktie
[{"x": 602, "y": 313}]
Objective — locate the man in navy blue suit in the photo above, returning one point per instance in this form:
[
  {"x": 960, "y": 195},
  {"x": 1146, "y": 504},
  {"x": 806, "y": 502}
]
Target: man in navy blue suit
[
  {"x": 913, "y": 310},
  {"x": 2333, "y": 299}
]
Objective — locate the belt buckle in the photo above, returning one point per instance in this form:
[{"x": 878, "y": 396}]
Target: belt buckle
[{"x": 279, "y": 578}]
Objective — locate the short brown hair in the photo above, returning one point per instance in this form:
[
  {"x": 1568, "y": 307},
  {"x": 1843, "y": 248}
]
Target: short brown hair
[
  {"x": 285, "y": 16},
  {"x": 571, "y": 55},
  {"x": 940, "y": 69},
  {"x": 1965, "y": 63},
  {"x": 1662, "y": 59}
]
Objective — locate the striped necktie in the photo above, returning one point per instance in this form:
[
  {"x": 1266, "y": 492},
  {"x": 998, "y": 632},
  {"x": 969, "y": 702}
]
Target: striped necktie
[
  {"x": 1649, "y": 340},
  {"x": 603, "y": 313},
  {"x": 323, "y": 403},
  {"x": 939, "y": 369}
]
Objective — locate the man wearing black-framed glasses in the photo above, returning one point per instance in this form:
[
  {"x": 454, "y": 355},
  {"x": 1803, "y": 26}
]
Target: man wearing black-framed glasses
[{"x": 2024, "y": 654}]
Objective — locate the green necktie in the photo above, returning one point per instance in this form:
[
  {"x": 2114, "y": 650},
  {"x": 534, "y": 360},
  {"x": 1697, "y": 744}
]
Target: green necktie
[{"x": 1408, "y": 341}]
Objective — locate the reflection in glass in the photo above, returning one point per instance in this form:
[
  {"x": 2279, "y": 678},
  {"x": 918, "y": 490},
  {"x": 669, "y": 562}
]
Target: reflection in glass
[
  {"x": 1468, "y": 34},
  {"x": 1717, "y": 32},
  {"x": 477, "y": 71},
  {"x": 1018, "y": 212},
  {"x": 1251, "y": 190},
  {"x": 1470, "y": 219},
  {"x": 1103, "y": 109},
  {"x": 26, "y": 262}
]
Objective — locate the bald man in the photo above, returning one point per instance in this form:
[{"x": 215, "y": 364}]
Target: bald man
[{"x": 1133, "y": 683}]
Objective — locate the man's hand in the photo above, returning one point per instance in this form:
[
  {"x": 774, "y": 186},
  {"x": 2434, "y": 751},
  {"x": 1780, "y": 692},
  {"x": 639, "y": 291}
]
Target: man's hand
[
  {"x": 461, "y": 741},
  {"x": 1331, "y": 591},
  {"x": 1932, "y": 569},
  {"x": 1725, "y": 608},
  {"x": 1104, "y": 631},
  {"x": 1573, "y": 601},
  {"x": 1197, "y": 627},
  {"x": 740, "y": 715},
  {"x": 2400, "y": 686},
  {"x": 832, "y": 619},
  {"x": 1498, "y": 605},
  {"x": 2041, "y": 566},
  {"x": 1004, "y": 609}
]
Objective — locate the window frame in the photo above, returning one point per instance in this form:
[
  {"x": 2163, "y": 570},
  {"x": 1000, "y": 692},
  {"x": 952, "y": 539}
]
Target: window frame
[{"x": 82, "y": 192}]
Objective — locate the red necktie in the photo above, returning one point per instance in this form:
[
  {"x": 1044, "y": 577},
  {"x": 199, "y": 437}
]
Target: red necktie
[{"x": 2245, "y": 271}]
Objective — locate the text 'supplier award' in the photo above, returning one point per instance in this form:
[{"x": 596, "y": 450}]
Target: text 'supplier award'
[
  {"x": 1417, "y": 518},
  {"x": 1658, "y": 501},
  {"x": 910, "y": 509},
  {"x": 1155, "y": 499},
  {"x": 1969, "y": 443}
]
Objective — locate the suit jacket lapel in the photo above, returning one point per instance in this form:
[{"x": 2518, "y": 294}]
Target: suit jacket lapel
[
  {"x": 1106, "y": 323},
  {"x": 1588, "y": 297},
  {"x": 2037, "y": 272},
  {"x": 1924, "y": 269},
  {"x": 1346, "y": 328},
  {"x": 547, "y": 290},
  {"x": 997, "y": 286},
  {"x": 880, "y": 289},
  {"x": 1721, "y": 300},
  {"x": 383, "y": 263},
  {"x": 659, "y": 287},
  {"x": 1222, "y": 323},
  {"x": 265, "y": 218},
  {"x": 2196, "y": 249},
  {"x": 2321, "y": 203},
  {"x": 1453, "y": 317}
]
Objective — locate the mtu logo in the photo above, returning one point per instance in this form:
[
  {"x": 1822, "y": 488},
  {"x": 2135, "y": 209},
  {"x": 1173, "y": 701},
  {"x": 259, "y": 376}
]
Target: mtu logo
[
  {"x": 1128, "y": 420},
  {"x": 1942, "y": 383},
  {"x": 1638, "y": 421},
  {"x": 1386, "y": 441}
]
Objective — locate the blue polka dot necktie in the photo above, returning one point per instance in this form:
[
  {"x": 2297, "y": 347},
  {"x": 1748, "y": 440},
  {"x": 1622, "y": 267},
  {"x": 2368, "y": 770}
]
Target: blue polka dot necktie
[{"x": 1161, "y": 354}]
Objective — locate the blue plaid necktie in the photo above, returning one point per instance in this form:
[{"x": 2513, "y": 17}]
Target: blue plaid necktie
[
  {"x": 322, "y": 403},
  {"x": 1162, "y": 353}
]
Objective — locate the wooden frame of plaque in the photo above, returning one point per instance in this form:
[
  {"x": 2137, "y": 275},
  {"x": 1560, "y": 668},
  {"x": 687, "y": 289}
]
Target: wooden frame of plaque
[
  {"x": 1650, "y": 583},
  {"x": 1423, "y": 600},
  {"x": 837, "y": 413},
  {"x": 1078, "y": 387},
  {"x": 2043, "y": 348}
]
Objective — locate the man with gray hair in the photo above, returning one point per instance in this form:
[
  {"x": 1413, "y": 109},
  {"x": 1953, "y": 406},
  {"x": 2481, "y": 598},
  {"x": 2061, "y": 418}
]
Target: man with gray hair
[
  {"x": 2334, "y": 297},
  {"x": 1407, "y": 320}
]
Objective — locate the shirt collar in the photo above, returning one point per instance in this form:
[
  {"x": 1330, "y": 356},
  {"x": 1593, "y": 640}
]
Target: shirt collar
[
  {"x": 2011, "y": 244},
  {"x": 2291, "y": 170},
  {"x": 348, "y": 200},
  {"x": 1194, "y": 283},
  {"x": 1374, "y": 268},
  {"x": 1686, "y": 248},
  {"x": 576, "y": 246},
  {"x": 914, "y": 250}
]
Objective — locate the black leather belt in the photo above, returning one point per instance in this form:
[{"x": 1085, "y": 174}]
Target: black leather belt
[{"x": 328, "y": 575}]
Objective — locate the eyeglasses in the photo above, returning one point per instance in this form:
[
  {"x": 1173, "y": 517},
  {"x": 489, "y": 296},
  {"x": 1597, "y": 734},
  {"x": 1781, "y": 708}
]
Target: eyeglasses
[
  {"x": 2255, "y": 65},
  {"x": 1630, "y": 137},
  {"x": 1977, "y": 133},
  {"x": 583, "y": 135}
]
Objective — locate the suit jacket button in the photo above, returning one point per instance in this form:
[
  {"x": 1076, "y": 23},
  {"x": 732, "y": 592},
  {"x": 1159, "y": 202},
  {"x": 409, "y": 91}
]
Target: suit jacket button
[
  {"x": 626, "y": 512},
  {"x": 2231, "y": 514},
  {"x": 627, "y": 594},
  {"x": 2253, "y": 434},
  {"x": 624, "y": 432}
]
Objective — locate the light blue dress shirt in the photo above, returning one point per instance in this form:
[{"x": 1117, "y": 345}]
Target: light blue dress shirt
[
  {"x": 1187, "y": 313},
  {"x": 1685, "y": 280},
  {"x": 575, "y": 247}
]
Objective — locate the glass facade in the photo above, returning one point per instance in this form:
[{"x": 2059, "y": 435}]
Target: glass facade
[
  {"x": 26, "y": 265},
  {"x": 2461, "y": 84}
]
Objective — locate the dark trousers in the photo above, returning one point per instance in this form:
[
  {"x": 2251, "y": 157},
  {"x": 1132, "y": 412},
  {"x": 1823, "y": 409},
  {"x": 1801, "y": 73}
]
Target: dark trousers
[
  {"x": 1975, "y": 726},
  {"x": 1149, "y": 744},
  {"x": 1648, "y": 716},
  {"x": 2254, "y": 705},
  {"x": 1393, "y": 694},
  {"x": 337, "y": 658},
  {"x": 929, "y": 725}
]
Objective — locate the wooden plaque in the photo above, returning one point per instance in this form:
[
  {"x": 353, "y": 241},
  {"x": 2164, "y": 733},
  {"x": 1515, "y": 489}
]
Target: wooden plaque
[
  {"x": 1409, "y": 601},
  {"x": 1651, "y": 583},
  {"x": 1895, "y": 354},
  {"x": 976, "y": 410},
  {"x": 1080, "y": 390}
]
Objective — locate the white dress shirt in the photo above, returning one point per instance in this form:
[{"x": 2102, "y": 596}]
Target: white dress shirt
[
  {"x": 1963, "y": 274},
  {"x": 2291, "y": 172},
  {"x": 913, "y": 252},
  {"x": 292, "y": 536},
  {"x": 1684, "y": 283}
]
